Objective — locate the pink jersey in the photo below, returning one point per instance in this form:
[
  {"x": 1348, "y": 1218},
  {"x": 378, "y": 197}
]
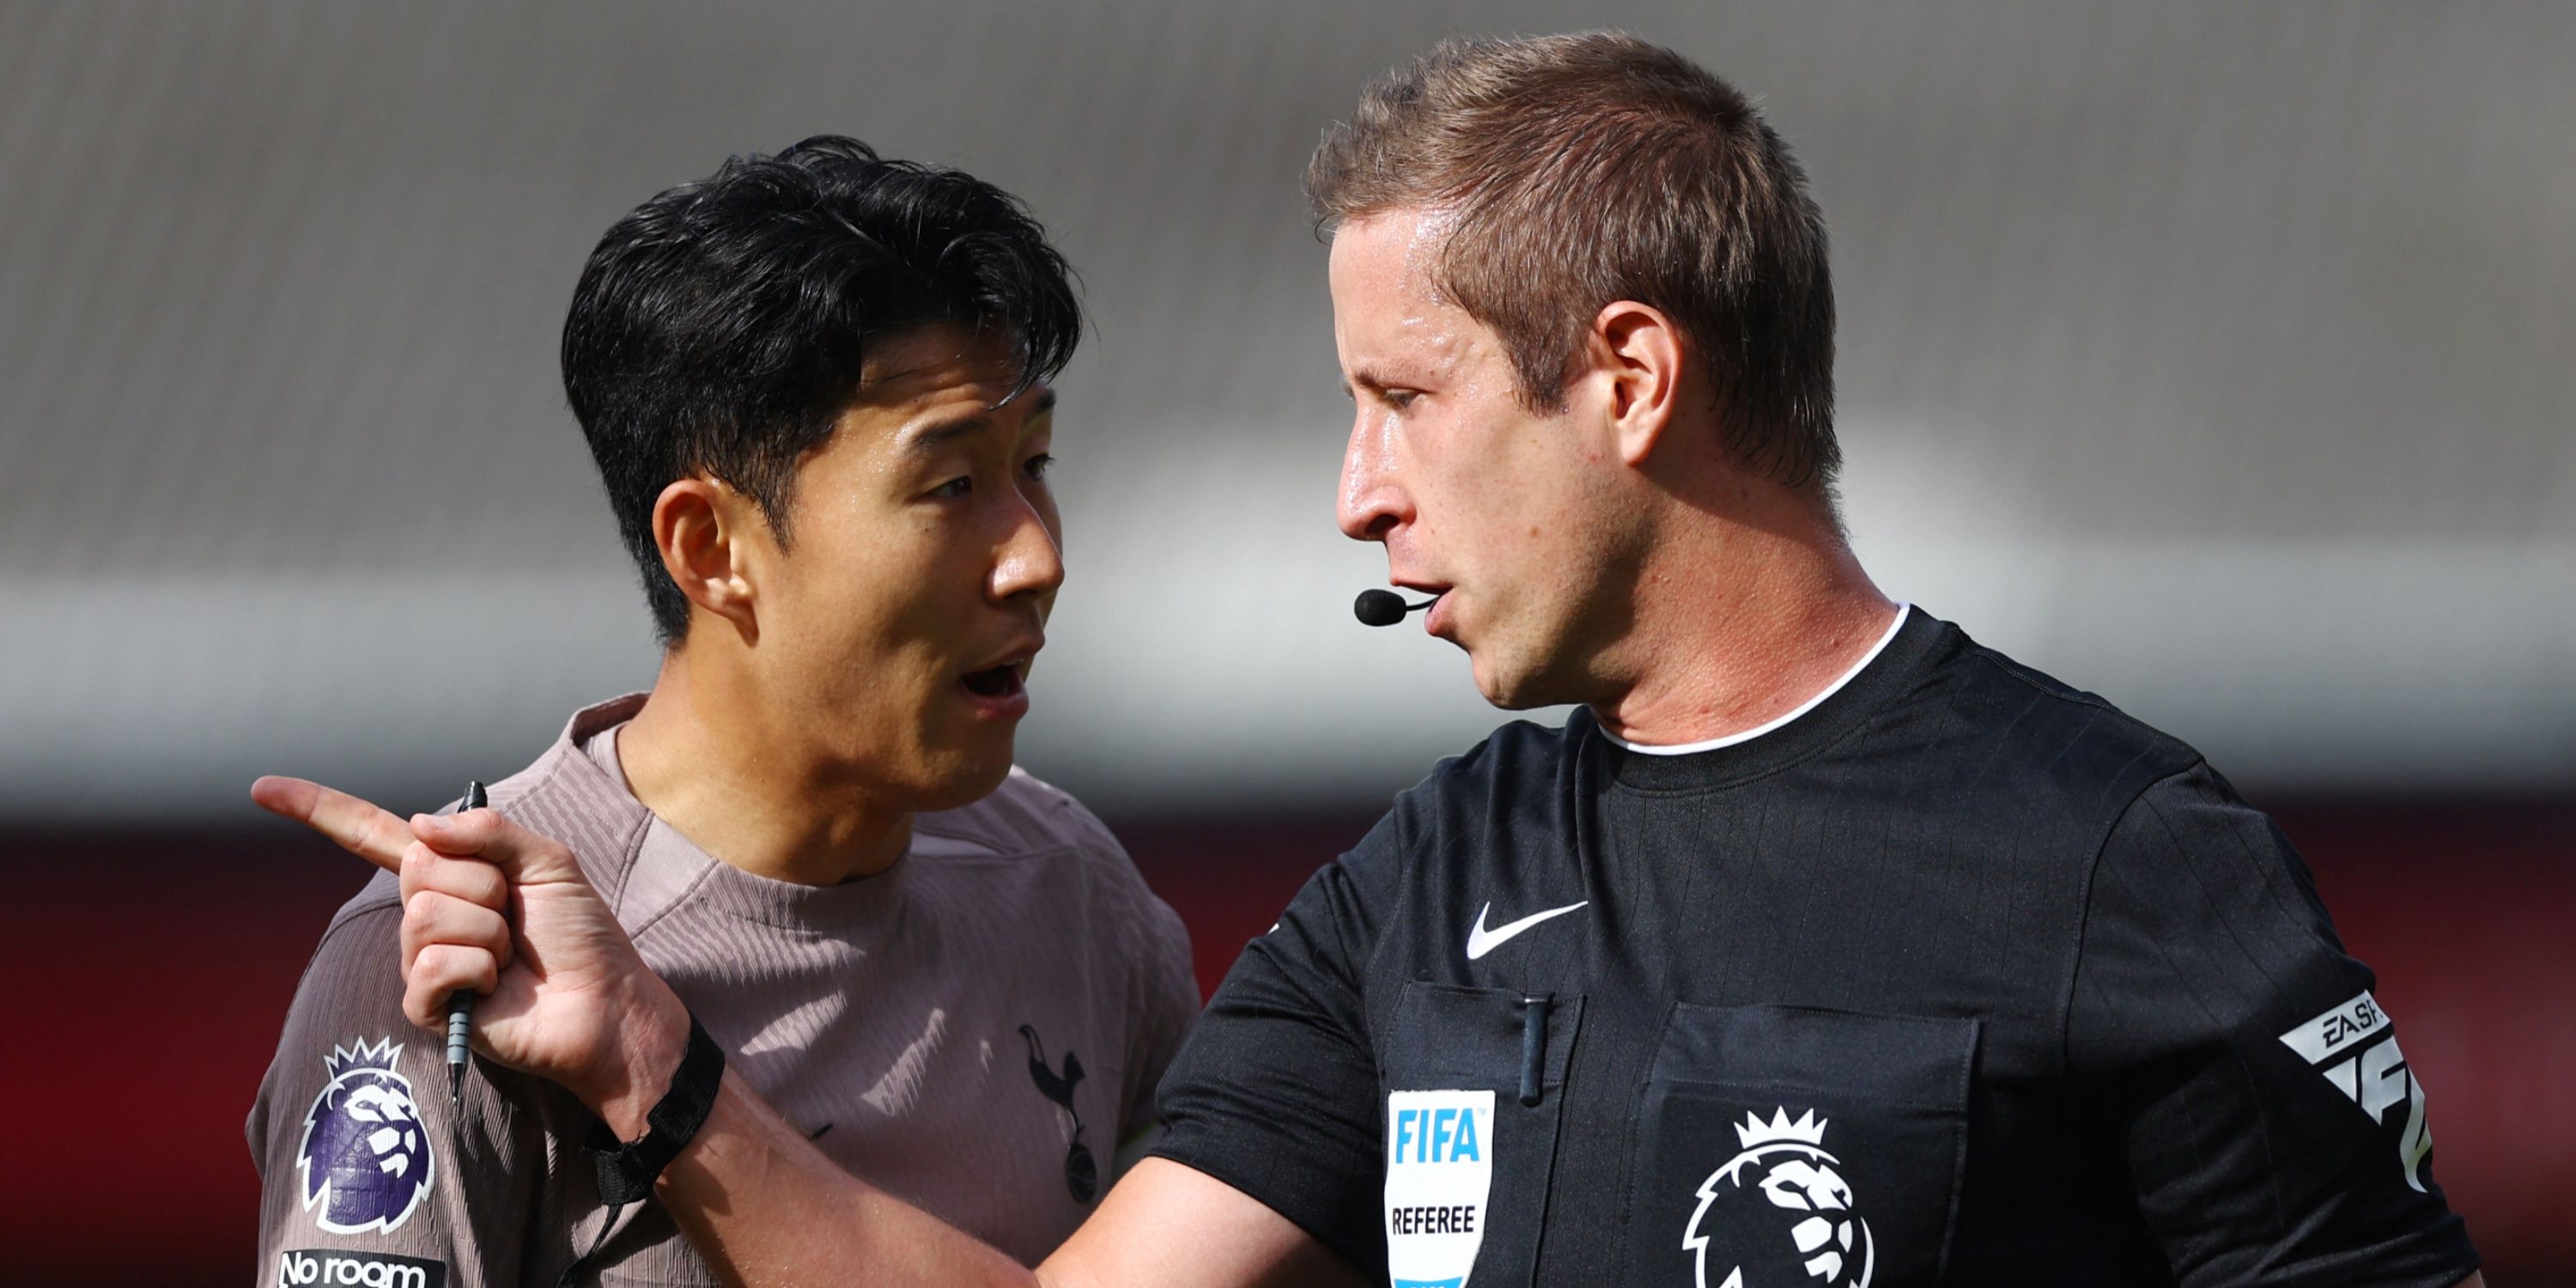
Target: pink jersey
[{"x": 976, "y": 1029}]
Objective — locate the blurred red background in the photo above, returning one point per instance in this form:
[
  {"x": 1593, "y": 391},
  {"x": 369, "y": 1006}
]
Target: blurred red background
[{"x": 154, "y": 968}]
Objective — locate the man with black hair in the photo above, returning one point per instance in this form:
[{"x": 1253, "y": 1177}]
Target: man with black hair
[
  {"x": 815, "y": 385},
  {"x": 1820, "y": 946}
]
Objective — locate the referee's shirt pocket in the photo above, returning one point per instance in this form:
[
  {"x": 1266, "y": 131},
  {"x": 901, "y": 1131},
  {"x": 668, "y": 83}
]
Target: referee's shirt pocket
[
  {"x": 1786, "y": 1145},
  {"x": 1473, "y": 1081}
]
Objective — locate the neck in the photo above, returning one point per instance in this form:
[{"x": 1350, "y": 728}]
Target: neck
[
  {"x": 707, "y": 755},
  {"x": 1716, "y": 653}
]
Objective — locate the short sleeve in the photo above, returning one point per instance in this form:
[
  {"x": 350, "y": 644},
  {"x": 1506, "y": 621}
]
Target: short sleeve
[
  {"x": 367, "y": 1175},
  {"x": 2275, "y": 1133},
  {"x": 1275, "y": 1093}
]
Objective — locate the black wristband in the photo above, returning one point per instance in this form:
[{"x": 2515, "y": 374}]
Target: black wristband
[{"x": 627, "y": 1169}]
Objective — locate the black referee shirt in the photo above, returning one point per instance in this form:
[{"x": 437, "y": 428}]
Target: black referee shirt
[{"x": 1962, "y": 976}]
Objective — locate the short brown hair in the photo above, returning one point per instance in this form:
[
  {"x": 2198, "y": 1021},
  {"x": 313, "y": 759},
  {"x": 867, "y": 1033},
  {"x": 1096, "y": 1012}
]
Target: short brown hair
[{"x": 1589, "y": 168}]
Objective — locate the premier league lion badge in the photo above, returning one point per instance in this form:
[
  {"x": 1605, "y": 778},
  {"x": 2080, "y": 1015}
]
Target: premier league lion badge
[
  {"x": 1779, "y": 1213},
  {"x": 365, "y": 1158}
]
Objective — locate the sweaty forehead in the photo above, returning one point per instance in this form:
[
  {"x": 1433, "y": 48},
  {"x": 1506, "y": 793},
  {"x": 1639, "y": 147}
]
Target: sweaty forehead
[
  {"x": 1387, "y": 310},
  {"x": 1392, "y": 256}
]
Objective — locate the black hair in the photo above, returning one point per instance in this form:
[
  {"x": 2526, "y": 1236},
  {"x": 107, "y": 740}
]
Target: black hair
[{"x": 721, "y": 327}]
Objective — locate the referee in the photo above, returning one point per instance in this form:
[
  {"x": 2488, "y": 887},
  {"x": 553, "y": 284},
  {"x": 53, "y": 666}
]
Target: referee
[{"x": 1821, "y": 946}]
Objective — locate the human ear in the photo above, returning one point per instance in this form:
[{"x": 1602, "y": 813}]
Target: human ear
[
  {"x": 698, "y": 524},
  {"x": 1637, "y": 350}
]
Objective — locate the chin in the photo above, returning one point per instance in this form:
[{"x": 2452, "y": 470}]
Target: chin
[
  {"x": 1519, "y": 699},
  {"x": 1522, "y": 683},
  {"x": 964, "y": 778},
  {"x": 1505, "y": 688}
]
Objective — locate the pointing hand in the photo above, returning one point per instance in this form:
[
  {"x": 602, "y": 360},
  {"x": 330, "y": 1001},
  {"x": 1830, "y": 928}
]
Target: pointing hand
[{"x": 493, "y": 907}]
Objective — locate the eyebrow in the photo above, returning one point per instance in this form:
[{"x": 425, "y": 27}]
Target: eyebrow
[
  {"x": 1368, "y": 379},
  {"x": 927, "y": 438}
]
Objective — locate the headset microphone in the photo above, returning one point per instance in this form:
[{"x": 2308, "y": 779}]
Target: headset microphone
[{"x": 1385, "y": 607}]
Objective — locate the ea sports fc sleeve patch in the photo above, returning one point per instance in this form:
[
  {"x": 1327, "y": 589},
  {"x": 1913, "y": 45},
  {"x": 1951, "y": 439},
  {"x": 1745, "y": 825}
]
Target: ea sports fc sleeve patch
[{"x": 2355, "y": 1047}]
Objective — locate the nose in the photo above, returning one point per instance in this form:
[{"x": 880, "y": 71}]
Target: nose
[
  {"x": 1030, "y": 559},
  {"x": 1371, "y": 502}
]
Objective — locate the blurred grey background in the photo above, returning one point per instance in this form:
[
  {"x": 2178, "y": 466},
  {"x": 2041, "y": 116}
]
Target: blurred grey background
[{"x": 2216, "y": 358}]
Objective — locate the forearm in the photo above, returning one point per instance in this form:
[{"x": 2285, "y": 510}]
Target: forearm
[{"x": 764, "y": 1207}]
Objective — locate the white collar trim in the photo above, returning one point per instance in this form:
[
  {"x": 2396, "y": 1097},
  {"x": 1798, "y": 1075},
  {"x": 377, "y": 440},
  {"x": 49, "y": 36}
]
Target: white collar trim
[{"x": 1689, "y": 748}]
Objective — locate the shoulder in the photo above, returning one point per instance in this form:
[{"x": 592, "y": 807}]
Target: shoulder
[
  {"x": 365, "y": 925},
  {"x": 2040, "y": 713},
  {"x": 566, "y": 795},
  {"x": 1996, "y": 725},
  {"x": 1123, "y": 926},
  {"x": 1508, "y": 782},
  {"x": 1516, "y": 755},
  {"x": 2200, "y": 919},
  {"x": 349, "y": 997},
  {"x": 1494, "y": 804},
  {"x": 354, "y": 977},
  {"x": 1028, "y": 821},
  {"x": 1025, "y": 813},
  {"x": 2190, "y": 860}
]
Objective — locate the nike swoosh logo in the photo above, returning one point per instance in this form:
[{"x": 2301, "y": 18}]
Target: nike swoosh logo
[{"x": 1481, "y": 941}]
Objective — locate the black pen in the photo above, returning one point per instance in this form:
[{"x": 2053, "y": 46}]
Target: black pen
[{"x": 460, "y": 1004}]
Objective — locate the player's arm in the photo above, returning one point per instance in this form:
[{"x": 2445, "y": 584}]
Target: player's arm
[
  {"x": 764, "y": 1207},
  {"x": 507, "y": 913},
  {"x": 365, "y": 1167},
  {"x": 2275, "y": 1131}
]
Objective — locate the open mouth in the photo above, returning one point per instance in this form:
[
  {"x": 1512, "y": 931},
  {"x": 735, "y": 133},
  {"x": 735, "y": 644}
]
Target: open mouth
[{"x": 994, "y": 681}]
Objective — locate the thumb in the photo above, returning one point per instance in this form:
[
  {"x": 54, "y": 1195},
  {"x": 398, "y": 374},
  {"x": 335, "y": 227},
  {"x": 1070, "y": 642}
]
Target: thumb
[
  {"x": 525, "y": 857},
  {"x": 357, "y": 826}
]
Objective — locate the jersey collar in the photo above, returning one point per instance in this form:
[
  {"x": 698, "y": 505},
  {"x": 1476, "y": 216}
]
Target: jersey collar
[
  {"x": 1818, "y": 723},
  {"x": 1894, "y": 625}
]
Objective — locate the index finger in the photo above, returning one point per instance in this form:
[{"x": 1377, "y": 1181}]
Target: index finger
[{"x": 355, "y": 825}]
